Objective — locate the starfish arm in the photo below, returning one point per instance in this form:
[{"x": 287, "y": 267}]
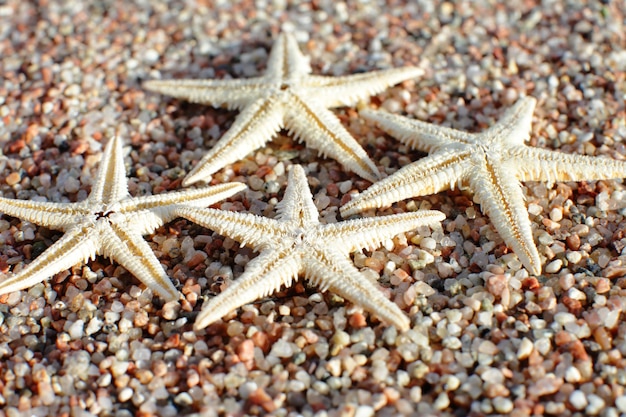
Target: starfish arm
[
  {"x": 321, "y": 130},
  {"x": 254, "y": 126},
  {"x": 419, "y": 135},
  {"x": 514, "y": 125},
  {"x": 263, "y": 276},
  {"x": 500, "y": 196},
  {"x": 111, "y": 184},
  {"x": 286, "y": 61},
  {"x": 369, "y": 233},
  {"x": 297, "y": 203},
  {"x": 233, "y": 94},
  {"x": 150, "y": 212},
  {"x": 350, "y": 89},
  {"x": 248, "y": 229},
  {"x": 130, "y": 250},
  {"x": 536, "y": 164},
  {"x": 331, "y": 271},
  {"x": 429, "y": 175},
  {"x": 77, "y": 245},
  {"x": 58, "y": 216}
]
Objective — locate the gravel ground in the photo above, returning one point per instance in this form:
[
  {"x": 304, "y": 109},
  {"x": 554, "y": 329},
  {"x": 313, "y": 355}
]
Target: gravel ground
[{"x": 487, "y": 338}]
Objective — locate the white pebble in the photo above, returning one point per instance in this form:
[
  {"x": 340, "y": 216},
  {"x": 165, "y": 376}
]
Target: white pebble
[
  {"x": 578, "y": 400},
  {"x": 543, "y": 345},
  {"x": 72, "y": 91},
  {"x": 534, "y": 209},
  {"x": 576, "y": 294},
  {"x": 125, "y": 394},
  {"x": 71, "y": 185},
  {"x": 596, "y": 405},
  {"x": 572, "y": 374},
  {"x": 47, "y": 107},
  {"x": 76, "y": 330},
  {"x": 442, "y": 402},
  {"x": 620, "y": 403},
  {"x": 525, "y": 348},
  {"x": 282, "y": 349},
  {"x": 556, "y": 214},
  {"x": 574, "y": 257},
  {"x": 95, "y": 324},
  {"x": 151, "y": 56},
  {"x": 364, "y": 411},
  {"x": 247, "y": 388},
  {"x": 554, "y": 266},
  {"x": 423, "y": 288},
  {"x": 502, "y": 405},
  {"x": 428, "y": 243}
]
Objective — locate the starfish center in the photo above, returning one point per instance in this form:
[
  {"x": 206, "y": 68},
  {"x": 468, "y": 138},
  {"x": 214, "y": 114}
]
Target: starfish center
[
  {"x": 103, "y": 214},
  {"x": 299, "y": 237}
]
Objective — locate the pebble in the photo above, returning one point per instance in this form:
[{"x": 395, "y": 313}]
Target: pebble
[
  {"x": 620, "y": 403},
  {"x": 502, "y": 405},
  {"x": 525, "y": 349},
  {"x": 125, "y": 394},
  {"x": 13, "y": 178},
  {"x": 76, "y": 330},
  {"x": 364, "y": 411},
  {"x": 442, "y": 402},
  {"x": 554, "y": 266},
  {"x": 578, "y": 400},
  {"x": 596, "y": 405},
  {"x": 282, "y": 349},
  {"x": 572, "y": 374}
]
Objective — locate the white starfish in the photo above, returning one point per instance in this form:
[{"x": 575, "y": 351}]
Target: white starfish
[
  {"x": 286, "y": 96},
  {"x": 491, "y": 164},
  {"x": 297, "y": 243},
  {"x": 109, "y": 222}
]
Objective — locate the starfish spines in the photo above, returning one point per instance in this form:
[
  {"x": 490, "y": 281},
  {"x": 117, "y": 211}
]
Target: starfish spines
[
  {"x": 110, "y": 185},
  {"x": 286, "y": 59},
  {"x": 264, "y": 275},
  {"x": 500, "y": 197},
  {"x": 321, "y": 130},
  {"x": 248, "y": 229},
  {"x": 253, "y": 128},
  {"x": 233, "y": 94},
  {"x": 370, "y": 232},
  {"x": 490, "y": 164},
  {"x": 350, "y": 89},
  {"x": 513, "y": 127},
  {"x": 58, "y": 257},
  {"x": 308, "y": 247},
  {"x": 434, "y": 174},
  {"x": 108, "y": 222},
  {"x": 346, "y": 281},
  {"x": 288, "y": 85},
  {"x": 297, "y": 200},
  {"x": 130, "y": 250},
  {"x": 43, "y": 213},
  {"x": 163, "y": 205},
  {"x": 419, "y": 135},
  {"x": 537, "y": 164}
]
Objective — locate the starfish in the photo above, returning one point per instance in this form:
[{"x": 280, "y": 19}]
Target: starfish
[
  {"x": 109, "y": 222},
  {"x": 491, "y": 164},
  {"x": 297, "y": 243},
  {"x": 286, "y": 96}
]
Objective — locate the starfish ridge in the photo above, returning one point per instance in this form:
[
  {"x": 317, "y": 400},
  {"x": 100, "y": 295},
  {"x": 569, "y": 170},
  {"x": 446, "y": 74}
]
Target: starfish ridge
[
  {"x": 286, "y": 96},
  {"x": 297, "y": 243},
  {"x": 109, "y": 222},
  {"x": 491, "y": 164}
]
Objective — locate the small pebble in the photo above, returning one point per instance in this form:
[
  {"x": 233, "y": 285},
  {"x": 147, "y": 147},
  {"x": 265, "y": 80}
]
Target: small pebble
[{"x": 578, "y": 400}]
